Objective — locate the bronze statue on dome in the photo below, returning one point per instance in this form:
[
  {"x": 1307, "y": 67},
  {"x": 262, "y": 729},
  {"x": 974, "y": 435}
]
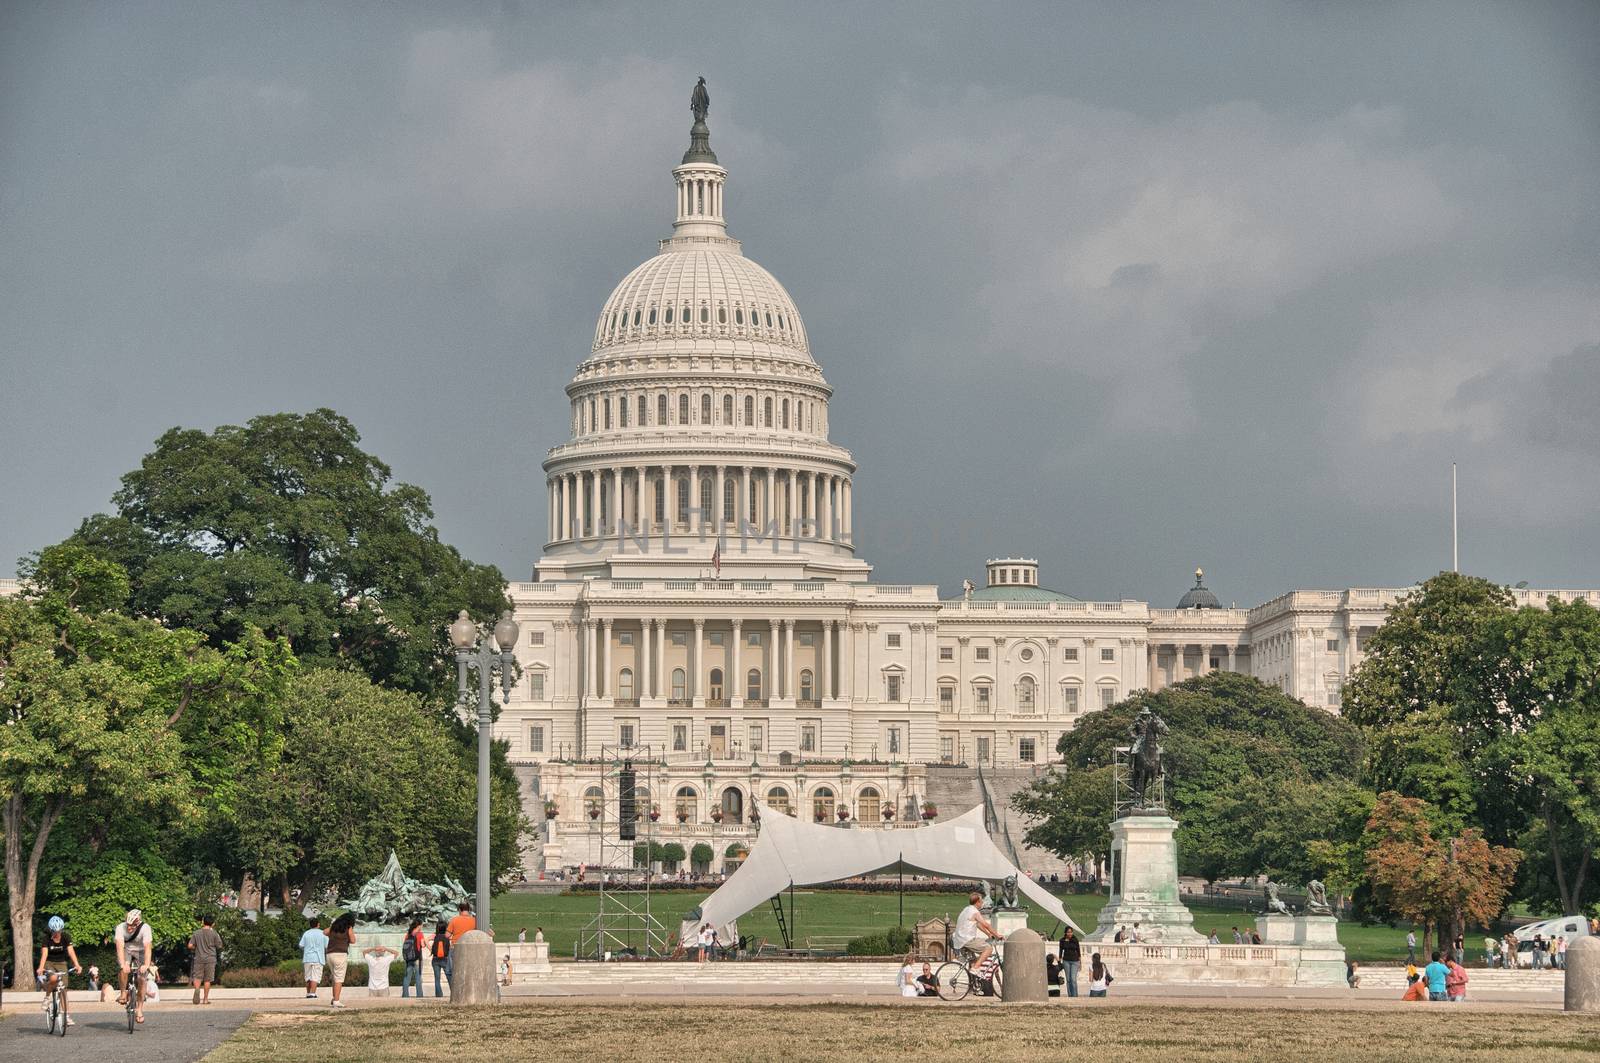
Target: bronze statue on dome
[{"x": 700, "y": 101}]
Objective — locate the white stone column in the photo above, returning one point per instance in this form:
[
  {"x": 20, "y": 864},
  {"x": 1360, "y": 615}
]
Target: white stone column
[
  {"x": 616, "y": 498},
  {"x": 826, "y": 669},
  {"x": 736, "y": 676},
  {"x": 566, "y": 507},
  {"x": 828, "y": 508},
  {"x": 790, "y": 513},
  {"x": 694, "y": 496},
  {"x": 1230, "y": 656},
  {"x": 717, "y": 503},
  {"x": 849, "y": 513},
  {"x": 605, "y": 659},
  {"x": 744, "y": 498},
  {"x": 769, "y": 511},
  {"x": 592, "y": 662},
  {"x": 790, "y": 676},
  {"x": 664, "y": 676},
  {"x": 647, "y": 639},
  {"x": 696, "y": 697}
]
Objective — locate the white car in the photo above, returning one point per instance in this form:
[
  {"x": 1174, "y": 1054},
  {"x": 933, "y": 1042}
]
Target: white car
[{"x": 1571, "y": 927}]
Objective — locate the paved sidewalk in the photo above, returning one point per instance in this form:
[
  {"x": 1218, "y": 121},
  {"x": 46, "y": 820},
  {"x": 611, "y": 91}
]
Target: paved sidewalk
[{"x": 170, "y": 1034}]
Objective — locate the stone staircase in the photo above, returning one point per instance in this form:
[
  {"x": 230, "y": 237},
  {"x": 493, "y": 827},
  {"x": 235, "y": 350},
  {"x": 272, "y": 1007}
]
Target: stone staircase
[
  {"x": 1478, "y": 978},
  {"x": 955, "y": 789}
]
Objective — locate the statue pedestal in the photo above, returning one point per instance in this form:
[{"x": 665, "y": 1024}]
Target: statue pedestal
[
  {"x": 1276, "y": 928},
  {"x": 1319, "y": 930},
  {"x": 1007, "y": 921},
  {"x": 1144, "y": 883}
]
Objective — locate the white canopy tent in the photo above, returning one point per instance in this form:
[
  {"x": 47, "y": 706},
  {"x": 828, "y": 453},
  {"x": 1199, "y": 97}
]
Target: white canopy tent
[{"x": 791, "y": 852}]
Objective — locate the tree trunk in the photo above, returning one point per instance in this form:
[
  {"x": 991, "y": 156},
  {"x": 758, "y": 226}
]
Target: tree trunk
[
  {"x": 22, "y": 880},
  {"x": 1554, "y": 841}
]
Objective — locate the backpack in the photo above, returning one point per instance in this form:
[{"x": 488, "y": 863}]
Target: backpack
[
  {"x": 441, "y": 947},
  {"x": 408, "y": 951}
]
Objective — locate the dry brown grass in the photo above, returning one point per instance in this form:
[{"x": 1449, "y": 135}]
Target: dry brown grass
[{"x": 843, "y": 1033}]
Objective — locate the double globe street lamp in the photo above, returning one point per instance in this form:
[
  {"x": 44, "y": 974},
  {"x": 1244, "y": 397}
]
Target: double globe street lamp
[{"x": 473, "y": 652}]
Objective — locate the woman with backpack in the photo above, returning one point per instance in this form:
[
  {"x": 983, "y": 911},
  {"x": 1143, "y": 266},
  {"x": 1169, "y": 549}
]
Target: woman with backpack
[
  {"x": 441, "y": 958},
  {"x": 412, "y": 951},
  {"x": 1099, "y": 977}
]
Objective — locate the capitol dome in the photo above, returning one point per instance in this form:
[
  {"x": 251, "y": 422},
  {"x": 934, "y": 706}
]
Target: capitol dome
[{"x": 699, "y": 416}]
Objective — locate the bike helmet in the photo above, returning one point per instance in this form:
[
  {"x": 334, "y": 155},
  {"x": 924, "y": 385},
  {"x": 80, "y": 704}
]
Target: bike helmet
[
  {"x": 56, "y": 924},
  {"x": 134, "y": 916}
]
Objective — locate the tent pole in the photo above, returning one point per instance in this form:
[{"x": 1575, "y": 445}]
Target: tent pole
[{"x": 902, "y": 893}]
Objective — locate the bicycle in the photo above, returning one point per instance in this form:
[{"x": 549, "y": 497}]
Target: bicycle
[
  {"x": 55, "y": 1003},
  {"x": 957, "y": 978},
  {"x": 136, "y": 977}
]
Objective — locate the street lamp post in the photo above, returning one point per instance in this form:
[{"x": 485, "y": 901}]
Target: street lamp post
[{"x": 470, "y": 652}]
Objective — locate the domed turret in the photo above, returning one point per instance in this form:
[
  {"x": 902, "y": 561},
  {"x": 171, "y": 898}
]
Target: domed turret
[{"x": 1197, "y": 597}]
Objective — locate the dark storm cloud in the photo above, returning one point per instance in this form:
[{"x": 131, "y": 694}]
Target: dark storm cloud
[{"x": 1128, "y": 287}]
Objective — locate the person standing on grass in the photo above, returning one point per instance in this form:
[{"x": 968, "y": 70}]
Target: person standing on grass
[
  {"x": 412, "y": 950},
  {"x": 1099, "y": 977},
  {"x": 313, "y": 954},
  {"x": 522, "y": 936},
  {"x": 706, "y": 938},
  {"x": 1436, "y": 974},
  {"x": 1071, "y": 953},
  {"x": 441, "y": 958},
  {"x": 1411, "y": 946},
  {"x": 341, "y": 935},
  {"x": 206, "y": 946}
]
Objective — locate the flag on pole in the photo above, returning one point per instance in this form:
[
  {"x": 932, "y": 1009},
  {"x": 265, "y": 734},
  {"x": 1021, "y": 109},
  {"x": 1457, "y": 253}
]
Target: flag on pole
[{"x": 716, "y": 559}]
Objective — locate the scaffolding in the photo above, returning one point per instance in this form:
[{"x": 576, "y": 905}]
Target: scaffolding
[
  {"x": 623, "y": 924},
  {"x": 1124, "y": 800}
]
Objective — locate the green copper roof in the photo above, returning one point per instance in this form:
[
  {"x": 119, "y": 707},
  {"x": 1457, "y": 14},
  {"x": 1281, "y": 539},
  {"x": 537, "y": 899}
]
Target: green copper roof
[{"x": 1014, "y": 593}]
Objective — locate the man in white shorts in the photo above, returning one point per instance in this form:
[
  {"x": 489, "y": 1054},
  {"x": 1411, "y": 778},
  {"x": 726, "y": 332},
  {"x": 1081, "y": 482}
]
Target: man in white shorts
[
  {"x": 972, "y": 926},
  {"x": 133, "y": 941},
  {"x": 313, "y": 954}
]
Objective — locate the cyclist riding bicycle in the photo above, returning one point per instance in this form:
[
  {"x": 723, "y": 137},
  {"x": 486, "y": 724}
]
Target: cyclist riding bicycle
[
  {"x": 55, "y": 955},
  {"x": 132, "y": 936},
  {"x": 971, "y": 926}
]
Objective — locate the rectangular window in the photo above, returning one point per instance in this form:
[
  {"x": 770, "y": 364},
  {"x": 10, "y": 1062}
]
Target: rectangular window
[
  {"x": 1333, "y": 645},
  {"x": 1071, "y": 654},
  {"x": 1072, "y": 698},
  {"x": 680, "y": 638},
  {"x": 981, "y": 653},
  {"x": 1107, "y": 653},
  {"x": 1333, "y": 698},
  {"x": 947, "y": 653},
  {"x": 1025, "y": 750},
  {"x": 680, "y": 737},
  {"x": 714, "y": 638},
  {"x": 892, "y": 640},
  {"x": 893, "y": 692},
  {"x": 807, "y": 638},
  {"x": 625, "y": 736},
  {"x": 757, "y": 734},
  {"x": 808, "y": 738},
  {"x": 983, "y": 699},
  {"x": 983, "y": 751},
  {"x": 624, "y": 638},
  {"x": 754, "y": 639},
  {"x": 536, "y": 638},
  {"x": 1108, "y": 697},
  {"x": 536, "y": 738},
  {"x": 947, "y": 749},
  {"x": 536, "y": 686},
  {"x": 893, "y": 735},
  {"x": 947, "y": 698}
]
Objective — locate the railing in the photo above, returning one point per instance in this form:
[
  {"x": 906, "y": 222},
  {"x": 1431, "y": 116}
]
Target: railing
[
  {"x": 682, "y": 584},
  {"x": 755, "y": 585},
  {"x": 626, "y": 703},
  {"x": 807, "y": 703},
  {"x": 716, "y": 703}
]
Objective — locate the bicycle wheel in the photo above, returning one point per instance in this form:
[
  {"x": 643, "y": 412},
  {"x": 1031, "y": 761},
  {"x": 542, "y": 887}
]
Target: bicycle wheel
[
  {"x": 132, "y": 1004},
  {"x": 997, "y": 984},
  {"x": 61, "y": 1010},
  {"x": 954, "y": 980},
  {"x": 52, "y": 1011}
]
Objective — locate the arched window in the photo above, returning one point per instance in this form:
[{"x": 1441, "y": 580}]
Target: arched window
[
  {"x": 684, "y": 317},
  {"x": 868, "y": 803},
  {"x": 636, "y": 315},
  {"x": 733, "y": 805},
  {"x": 657, "y": 485},
  {"x": 727, "y": 409},
  {"x": 769, "y": 319},
  {"x": 1025, "y": 694},
  {"x": 780, "y": 322},
  {"x": 705, "y": 408},
  {"x": 822, "y": 804},
  {"x": 605, "y": 406},
  {"x": 669, "y": 315},
  {"x": 625, "y": 683},
  {"x": 722, "y": 315},
  {"x": 786, "y": 413},
  {"x": 622, "y": 412},
  {"x": 594, "y": 424},
  {"x": 678, "y": 680},
  {"x": 753, "y": 684},
  {"x": 644, "y": 408},
  {"x": 684, "y": 803},
  {"x": 738, "y": 316},
  {"x": 593, "y": 800},
  {"x": 683, "y": 409},
  {"x": 661, "y": 408},
  {"x": 806, "y": 691},
  {"x": 683, "y": 500},
  {"x": 716, "y": 684},
  {"x": 778, "y": 798},
  {"x": 652, "y": 315},
  {"x": 727, "y": 500},
  {"x": 749, "y": 409},
  {"x": 705, "y": 315},
  {"x": 705, "y": 498},
  {"x": 766, "y": 411}
]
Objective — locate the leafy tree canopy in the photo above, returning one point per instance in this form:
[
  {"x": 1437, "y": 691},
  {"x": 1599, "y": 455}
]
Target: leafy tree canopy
[{"x": 288, "y": 526}]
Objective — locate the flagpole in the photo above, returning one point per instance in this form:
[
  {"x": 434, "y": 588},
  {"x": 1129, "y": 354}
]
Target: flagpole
[{"x": 1455, "y": 541}]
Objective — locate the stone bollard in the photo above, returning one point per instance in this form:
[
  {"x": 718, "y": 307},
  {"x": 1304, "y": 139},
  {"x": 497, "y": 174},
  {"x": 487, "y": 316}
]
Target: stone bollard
[
  {"x": 473, "y": 980},
  {"x": 1583, "y": 975},
  {"x": 1023, "y": 968}
]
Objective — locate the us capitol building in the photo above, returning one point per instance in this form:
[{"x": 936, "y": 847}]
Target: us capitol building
[{"x": 699, "y": 598}]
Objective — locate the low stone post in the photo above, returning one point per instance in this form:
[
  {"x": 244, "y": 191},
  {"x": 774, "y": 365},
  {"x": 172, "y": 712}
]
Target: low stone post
[
  {"x": 1023, "y": 968},
  {"x": 1583, "y": 975},
  {"x": 473, "y": 979}
]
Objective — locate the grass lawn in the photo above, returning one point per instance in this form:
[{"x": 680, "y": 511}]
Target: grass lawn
[
  {"x": 1135, "y": 1033},
  {"x": 834, "y": 913}
]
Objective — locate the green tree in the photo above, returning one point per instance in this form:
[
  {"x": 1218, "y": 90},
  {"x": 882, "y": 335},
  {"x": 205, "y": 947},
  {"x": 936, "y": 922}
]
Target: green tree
[
  {"x": 288, "y": 526},
  {"x": 700, "y": 856},
  {"x": 1255, "y": 776},
  {"x": 364, "y": 770},
  {"x": 1418, "y": 693}
]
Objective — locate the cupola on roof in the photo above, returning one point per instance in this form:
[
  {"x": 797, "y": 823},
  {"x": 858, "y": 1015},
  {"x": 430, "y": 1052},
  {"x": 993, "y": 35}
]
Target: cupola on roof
[
  {"x": 1197, "y": 597},
  {"x": 699, "y": 286}
]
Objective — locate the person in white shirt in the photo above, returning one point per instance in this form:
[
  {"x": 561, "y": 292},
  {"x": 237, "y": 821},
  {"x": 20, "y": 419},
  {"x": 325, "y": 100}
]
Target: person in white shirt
[
  {"x": 133, "y": 941},
  {"x": 972, "y": 926},
  {"x": 908, "y": 976}
]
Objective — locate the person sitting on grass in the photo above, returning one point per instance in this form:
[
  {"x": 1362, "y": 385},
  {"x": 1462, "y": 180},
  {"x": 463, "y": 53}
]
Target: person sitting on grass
[{"x": 927, "y": 984}]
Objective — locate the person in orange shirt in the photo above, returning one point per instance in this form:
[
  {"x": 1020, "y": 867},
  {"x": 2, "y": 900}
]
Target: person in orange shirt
[{"x": 463, "y": 922}]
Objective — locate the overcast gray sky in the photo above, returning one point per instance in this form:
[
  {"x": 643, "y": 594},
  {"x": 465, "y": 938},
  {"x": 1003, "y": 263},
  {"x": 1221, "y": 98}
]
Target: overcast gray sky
[{"x": 1129, "y": 287}]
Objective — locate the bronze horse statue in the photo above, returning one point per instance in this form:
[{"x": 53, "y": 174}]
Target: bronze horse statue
[{"x": 1145, "y": 759}]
